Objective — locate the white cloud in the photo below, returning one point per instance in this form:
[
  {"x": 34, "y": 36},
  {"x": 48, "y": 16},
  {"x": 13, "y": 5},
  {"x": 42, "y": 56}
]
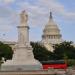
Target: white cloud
[
  {"x": 8, "y": 19},
  {"x": 70, "y": 16},
  {"x": 5, "y": 28},
  {"x": 7, "y": 1},
  {"x": 58, "y": 8}
]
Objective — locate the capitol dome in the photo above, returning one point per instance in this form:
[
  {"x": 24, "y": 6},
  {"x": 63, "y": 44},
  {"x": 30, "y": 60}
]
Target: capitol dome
[{"x": 51, "y": 32}]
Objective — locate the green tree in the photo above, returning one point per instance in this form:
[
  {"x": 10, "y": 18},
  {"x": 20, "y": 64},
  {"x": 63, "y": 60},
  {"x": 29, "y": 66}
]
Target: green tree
[
  {"x": 41, "y": 53},
  {"x": 64, "y": 50},
  {"x": 6, "y": 52}
]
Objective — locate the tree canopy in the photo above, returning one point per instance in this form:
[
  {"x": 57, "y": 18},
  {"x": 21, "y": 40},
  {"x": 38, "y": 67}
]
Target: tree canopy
[
  {"x": 41, "y": 53},
  {"x": 6, "y": 52},
  {"x": 64, "y": 50}
]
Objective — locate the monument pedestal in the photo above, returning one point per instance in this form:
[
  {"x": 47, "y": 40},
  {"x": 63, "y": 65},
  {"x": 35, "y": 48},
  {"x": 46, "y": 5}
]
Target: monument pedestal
[{"x": 23, "y": 59}]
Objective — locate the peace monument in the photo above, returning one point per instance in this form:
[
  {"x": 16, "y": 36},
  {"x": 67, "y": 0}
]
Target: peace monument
[{"x": 23, "y": 58}]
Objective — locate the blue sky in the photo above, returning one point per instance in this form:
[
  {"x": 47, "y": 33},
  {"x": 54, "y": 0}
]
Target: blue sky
[{"x": 38, "y": 12}]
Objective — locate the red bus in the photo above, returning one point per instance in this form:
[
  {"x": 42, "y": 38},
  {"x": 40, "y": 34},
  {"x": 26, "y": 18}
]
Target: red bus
[{"x": 55, "y": 64}]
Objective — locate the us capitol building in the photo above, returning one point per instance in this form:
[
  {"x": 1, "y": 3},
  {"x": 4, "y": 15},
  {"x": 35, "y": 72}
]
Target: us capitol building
[{"x": 51, "y": 34}]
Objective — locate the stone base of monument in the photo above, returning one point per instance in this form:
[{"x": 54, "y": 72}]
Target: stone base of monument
[
  {"x": 38, "y": 72},
  {"x": 14, "y": 65},
  {"x": 21, "y": 67},
  {"x": 23, "y": 59},
  {"x": 11, "y": 65}
]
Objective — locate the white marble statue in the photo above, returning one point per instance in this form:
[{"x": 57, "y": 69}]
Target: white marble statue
[{"x": 23, "y": 17}]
